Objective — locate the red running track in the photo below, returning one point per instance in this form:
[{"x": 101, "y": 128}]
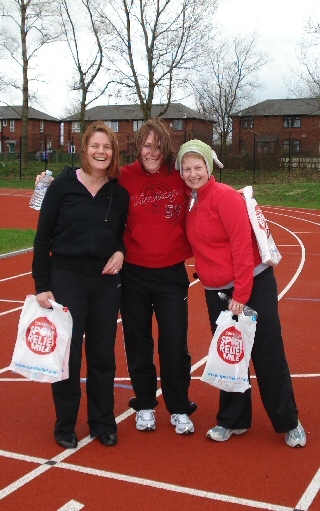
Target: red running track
[{"x": 161, "y": 470}]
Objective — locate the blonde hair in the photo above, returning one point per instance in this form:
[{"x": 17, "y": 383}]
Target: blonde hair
[
  {"x": 162, "y": 140},
  {"x": 99, "y": 126},
  {"x": 195, "y": 155}
]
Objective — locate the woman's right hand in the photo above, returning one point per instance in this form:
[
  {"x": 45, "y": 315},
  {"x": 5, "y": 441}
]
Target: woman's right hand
[
  {"x": 43, "y": 299},
  {"x": 39, "y": 176}
]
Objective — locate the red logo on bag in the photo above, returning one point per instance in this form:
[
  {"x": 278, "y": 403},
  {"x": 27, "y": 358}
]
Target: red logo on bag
[
  {"x": 230, "y": 346},
  {"x": 262, "y": 221},
  {"x": 41, "y": 336}
]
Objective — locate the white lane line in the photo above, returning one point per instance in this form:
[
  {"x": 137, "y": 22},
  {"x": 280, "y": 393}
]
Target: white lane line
[
  {"x": 294, "y": 218},
  {"x": 16, "y": 252},
  {"x": 24, "y": 480},
  {"x": 302, "y": 260},
  {"x": 302, "y": 211},
  {"x": 174, "y": 488},
  {"x": 253, "y": 376},
  {"x": 310, "y": 493},
  {"x": 16, "y": 276},
  {"x": 10, "y": 310},
  {"x": 11, "y": 301},
  {"x": 22, "y": 457},
  {"x": 129, "y": 412},
  {"x": 73, "y": 505},
  {"x": 128, "y": 479}
]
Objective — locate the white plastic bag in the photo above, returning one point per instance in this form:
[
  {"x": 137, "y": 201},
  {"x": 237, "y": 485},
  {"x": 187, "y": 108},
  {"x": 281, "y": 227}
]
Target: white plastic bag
[
  {"x": 229, "y": 353},
  {"x": 42, "y": 347},
  {"x": 268, "y": 250}
]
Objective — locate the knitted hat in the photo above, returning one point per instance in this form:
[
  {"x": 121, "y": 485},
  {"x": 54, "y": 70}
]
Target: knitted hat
[{"x": 197, "y": 146}]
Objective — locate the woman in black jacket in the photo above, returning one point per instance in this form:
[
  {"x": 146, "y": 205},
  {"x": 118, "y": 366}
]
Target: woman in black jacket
[{"x": 78, "y": 252}]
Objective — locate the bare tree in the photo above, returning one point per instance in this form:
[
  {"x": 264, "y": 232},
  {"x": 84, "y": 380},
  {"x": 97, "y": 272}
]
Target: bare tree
[
  {"x": 229, "y": 82},
  {"x": 88, "y": 59},
  {"x": 155, "y": 43},
  {"x": 29, "y": 26},
  {"x": 307, "y": 81}
]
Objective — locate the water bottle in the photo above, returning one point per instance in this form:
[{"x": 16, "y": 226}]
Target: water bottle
[
  {"x": 40, "y": 191},
  {"x": 247, "y": 311}
]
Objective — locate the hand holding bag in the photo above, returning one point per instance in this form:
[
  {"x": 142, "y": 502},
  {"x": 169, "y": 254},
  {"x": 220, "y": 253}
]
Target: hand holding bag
[
  {"x": 42, "y": 347},
  {"x": 229, "y": 353},
  {"x": 268, "y": 250}
]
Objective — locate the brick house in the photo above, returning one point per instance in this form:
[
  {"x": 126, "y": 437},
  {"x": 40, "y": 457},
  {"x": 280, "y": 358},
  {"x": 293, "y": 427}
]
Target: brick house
[
  {"x": 279, "y": 127},
  {"x": 44, "y": 130},
  {"x": 184, "y": 123}
]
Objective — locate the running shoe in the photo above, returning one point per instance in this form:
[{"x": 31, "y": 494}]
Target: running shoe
[
  {"x": 182, "y": 423},
  {"x": 145, "y": 420},
  {"x": 220, "y": 434},
  {"x": 296, "y": 437}
]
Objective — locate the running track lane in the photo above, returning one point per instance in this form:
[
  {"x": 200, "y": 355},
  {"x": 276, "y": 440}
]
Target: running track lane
[{"x": 162, "y": 470}]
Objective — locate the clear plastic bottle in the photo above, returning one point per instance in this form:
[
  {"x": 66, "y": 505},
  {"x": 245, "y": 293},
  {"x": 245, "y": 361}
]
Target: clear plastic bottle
[
  {"x": 247, "y": 311},
  {"x": 40, "y": 191}
]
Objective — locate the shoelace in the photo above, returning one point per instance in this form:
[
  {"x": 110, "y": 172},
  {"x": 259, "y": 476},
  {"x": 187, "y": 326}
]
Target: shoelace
[
  {"x": 182, "y": 419},
  {"x": 146, "y": 415}
]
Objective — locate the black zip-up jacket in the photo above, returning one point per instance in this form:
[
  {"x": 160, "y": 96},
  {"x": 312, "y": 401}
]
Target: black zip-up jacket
[{"x": 73, "y": 232}]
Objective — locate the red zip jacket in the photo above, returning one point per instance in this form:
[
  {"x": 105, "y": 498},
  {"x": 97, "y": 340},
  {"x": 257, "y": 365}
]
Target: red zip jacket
[
  {"x": 222, "y": 240},
  {"x": 155, "y": 234}
]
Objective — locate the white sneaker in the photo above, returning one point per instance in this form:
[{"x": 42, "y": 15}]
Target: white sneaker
[
  {"x": 145, "y": 420},
  {"x": 183, "y": 424},
  {"x": 296, "y": 437},
  {"x": 220, "y": 434}
]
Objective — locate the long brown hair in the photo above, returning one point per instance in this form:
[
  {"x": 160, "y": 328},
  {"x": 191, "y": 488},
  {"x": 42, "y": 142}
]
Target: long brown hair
[
  {"x": 162, "y": 139},
  {"x": 99, "y": 126}
]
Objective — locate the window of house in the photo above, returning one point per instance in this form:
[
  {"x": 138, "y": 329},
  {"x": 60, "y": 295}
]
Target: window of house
[
  {"x": 114, "y": 125},
  {"x": 177, "y": 124},
  {"x": 12, "y": 126},
  {"x": 4, "y": 122},
  {"x": 242, "y": 147},
  {"x": 76, "y": 127},
  {"x": 49, "y": 145},
  {"x": 265, "y": 147},
  {"x": 292, "y": 122},
  {"x": 247, "y": 122},
  {"x": 293, "y": 144},
  {"x": 41, "y": 126},
  {"x": 137, "y": 125}
]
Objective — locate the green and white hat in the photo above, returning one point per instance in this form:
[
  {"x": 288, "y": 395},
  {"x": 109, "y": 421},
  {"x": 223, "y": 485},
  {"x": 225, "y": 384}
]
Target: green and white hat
[{"x": 197, "y": 146}]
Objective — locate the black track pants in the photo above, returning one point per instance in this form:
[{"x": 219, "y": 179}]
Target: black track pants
[
  {"x": 269, "y": 360},
  {"x": 93, "y": 301},
  {"x": 164, "y": 292}
]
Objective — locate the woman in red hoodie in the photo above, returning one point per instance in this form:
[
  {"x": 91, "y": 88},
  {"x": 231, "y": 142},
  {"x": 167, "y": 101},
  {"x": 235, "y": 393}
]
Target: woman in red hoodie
[
  {"x": 227, "y": 260},
  {"x": 154, "y": 280}
]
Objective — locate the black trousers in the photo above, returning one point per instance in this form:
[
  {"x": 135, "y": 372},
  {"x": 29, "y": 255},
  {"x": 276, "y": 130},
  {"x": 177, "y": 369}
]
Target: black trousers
[
  {"x": 93, "y": 301},
  {"x": 269, "y": 361},
  {"x": 164, "y": 292}
]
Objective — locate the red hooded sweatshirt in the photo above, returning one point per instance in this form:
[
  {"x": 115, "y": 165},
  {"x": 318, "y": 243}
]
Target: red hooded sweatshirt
[
  {"x": 155, "y": 232},
  {"x": 222, "y": 239}
]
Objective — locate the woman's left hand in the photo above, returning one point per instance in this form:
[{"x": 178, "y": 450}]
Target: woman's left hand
[
  {"x": 114, "y": 264},
  {"x": 236, "y": 307}
]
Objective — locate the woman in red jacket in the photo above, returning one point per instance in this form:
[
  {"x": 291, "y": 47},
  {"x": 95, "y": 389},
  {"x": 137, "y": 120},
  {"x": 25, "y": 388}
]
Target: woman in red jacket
[
  {"x": 228, "y": 261},
  {"x": 154, "y": 280}
]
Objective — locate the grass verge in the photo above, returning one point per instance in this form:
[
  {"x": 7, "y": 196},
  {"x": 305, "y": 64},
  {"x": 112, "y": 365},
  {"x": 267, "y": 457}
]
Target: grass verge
[{"x": 15, "y": 239}]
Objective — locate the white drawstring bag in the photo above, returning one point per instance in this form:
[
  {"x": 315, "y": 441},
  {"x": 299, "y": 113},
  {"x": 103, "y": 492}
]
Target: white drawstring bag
[
  {"x": 229, "y": 353},
  {"x": 267, "y": 248},
  {"x": 42, "y": 348}
]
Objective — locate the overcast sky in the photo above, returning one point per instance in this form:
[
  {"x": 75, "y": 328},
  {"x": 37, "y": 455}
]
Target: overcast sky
[{"x": 278, "y": 23}]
